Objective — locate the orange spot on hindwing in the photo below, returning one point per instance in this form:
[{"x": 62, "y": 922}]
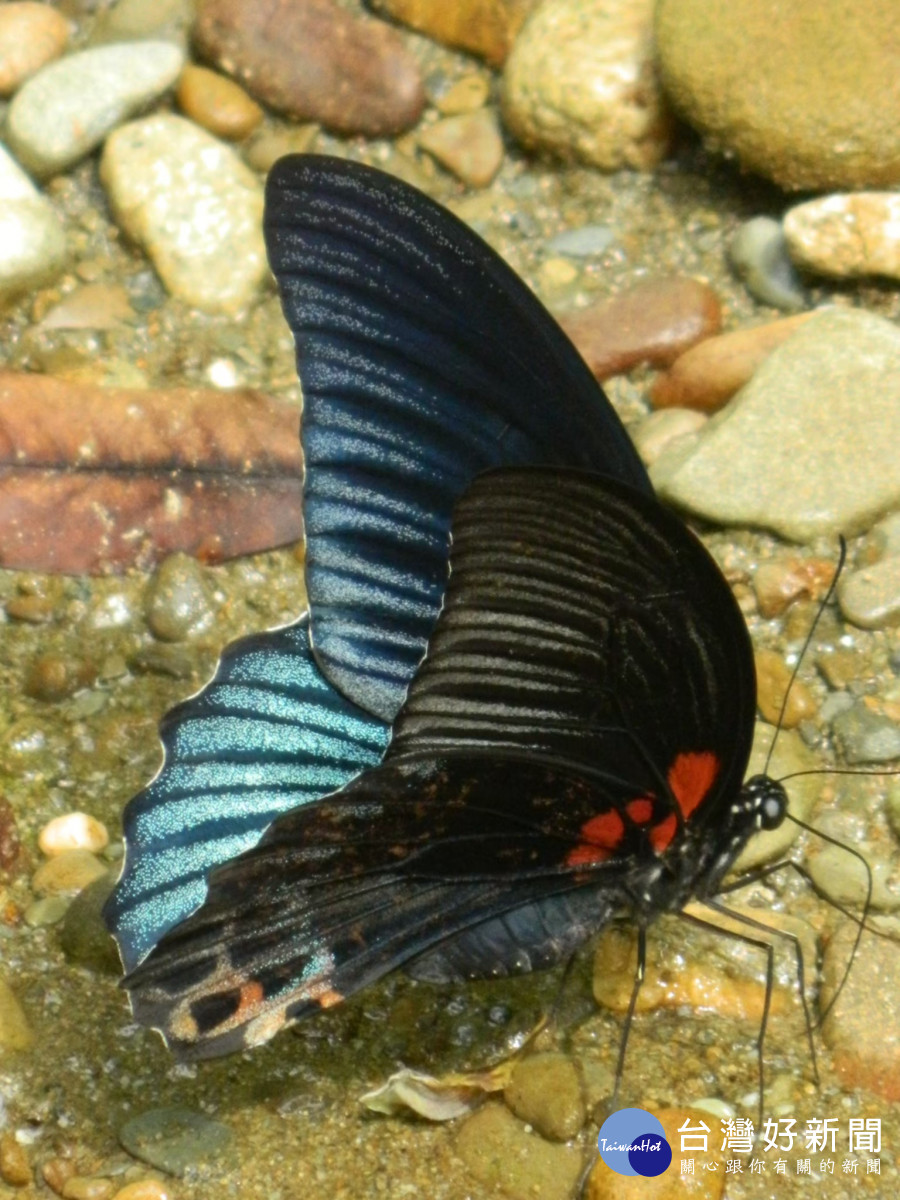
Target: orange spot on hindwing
[
  {"x": 690, "y": 778},
  {"x": 601, "y": 837}
]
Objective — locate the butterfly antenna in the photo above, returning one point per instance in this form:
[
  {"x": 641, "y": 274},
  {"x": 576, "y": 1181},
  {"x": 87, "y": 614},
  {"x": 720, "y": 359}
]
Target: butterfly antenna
[{"x": 779, "y": 724}]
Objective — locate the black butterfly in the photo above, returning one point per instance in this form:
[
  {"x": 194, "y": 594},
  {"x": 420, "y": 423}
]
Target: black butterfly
[{"x": 466, "y": 773}]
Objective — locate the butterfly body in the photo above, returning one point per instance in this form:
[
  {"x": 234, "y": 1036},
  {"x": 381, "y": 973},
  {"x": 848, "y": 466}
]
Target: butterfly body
[{"x": 525, "y": 695}]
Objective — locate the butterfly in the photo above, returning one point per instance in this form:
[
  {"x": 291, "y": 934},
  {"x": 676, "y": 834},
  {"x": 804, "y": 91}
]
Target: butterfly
[{"x": 523, "y": 696}]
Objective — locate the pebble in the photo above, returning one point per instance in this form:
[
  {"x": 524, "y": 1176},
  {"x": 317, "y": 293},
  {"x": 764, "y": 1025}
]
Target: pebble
[
  {"x": 844, "y": 880},
  {"x": 463, "y": 96},
  {"x": 469, "y": 145},
  {"x": 174, "y": 1139},
  {"x": 315, "y": 61},
  {"x": 483, "y": 27},
  {"x": 93, "y": 306},
  {"x": 707, "y": 375},
  {"x": 773, "y": 678},
  {"x": 779, "y": 583},
  {"x": 865, "y": 736},
  {"x": 758, "y": 253},
  {"x": 68, "y": 108},
  {"x": 139, "y": 20},
  {"x": 772, "y": 463},
  {"x": 705, "y": 1184},
  {"x": 585, "y": 242},
  {"x": 218, "y": 104},
  {"x": 545, "y": 1092},
  {"x": 15, "y": 1168},
  {"x": 144, "y": 1189},
  {"x": 870, "y": 598},
  {"x": 580, "y": 84},
  {"x": 87, "y": 1187},
  {"x": 31, "y": 35},
  {"x": 178, "y": 603},
  {"x": 41, "y": 914},
  {"x": 10, "y": 843},
  {"x": 865, "y": 1043},
  {"x": 73, "y": 831},
  {"x": 662, "y": 432},
  {"x": 793, "y": 91},
  {"x": 846, "y": 236},
  {"x": 501, "y": 1153},
  {"x": 653, "y": 322},
  {"x": 32, "y": 241},
  {"x": 194, "y": 207},
  {"x": 15, "y": 1031},
  {"x": 840, "y": 666},
  {"x": 67, "y": 873},
  {"x": 52, "y": 677},
  {"x": 84, "y": 937},
  {"x": 265, "y": 148}
]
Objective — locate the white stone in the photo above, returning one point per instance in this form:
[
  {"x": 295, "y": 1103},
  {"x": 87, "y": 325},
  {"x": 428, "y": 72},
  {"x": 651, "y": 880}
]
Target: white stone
[
  {"x": 194, "y": 207},
  {"x": 32, "y": 241},
  {"x": 68, "y": 107},
  {"x": 73, "y": 831}
]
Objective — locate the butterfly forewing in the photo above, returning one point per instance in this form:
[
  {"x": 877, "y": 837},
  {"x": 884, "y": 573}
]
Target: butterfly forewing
[{"x": 424, "y": 361}]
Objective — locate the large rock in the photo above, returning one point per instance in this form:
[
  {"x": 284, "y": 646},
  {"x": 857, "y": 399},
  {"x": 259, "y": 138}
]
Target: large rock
[
  {"x": 68, "y": 108},
  {"x": 809, "y": 446},
  {"x": 192, "y": 204},
  {"x": 805, "y": 92},
  {"x": 580, "y": 84},
  {"x": 315, "y": 61}
]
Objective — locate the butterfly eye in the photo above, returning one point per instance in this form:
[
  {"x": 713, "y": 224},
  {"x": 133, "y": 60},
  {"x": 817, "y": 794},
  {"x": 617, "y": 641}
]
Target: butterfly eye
[{"x": 768, "y": 798}]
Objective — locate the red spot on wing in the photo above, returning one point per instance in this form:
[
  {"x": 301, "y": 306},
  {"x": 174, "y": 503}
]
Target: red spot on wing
[
  {"x": 601, "y": 837},
  {"x": 640, "y": 810},
  {"x": 690, "y": 778}
]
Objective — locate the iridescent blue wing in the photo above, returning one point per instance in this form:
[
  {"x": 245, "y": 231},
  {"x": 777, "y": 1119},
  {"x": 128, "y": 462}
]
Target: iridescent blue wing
[
  {"x": 424, "y": 361},
  {"x": 266, "y": 735}
]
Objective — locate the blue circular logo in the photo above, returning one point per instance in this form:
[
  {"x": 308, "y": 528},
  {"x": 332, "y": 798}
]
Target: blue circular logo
[{"x": 632, "y": 1142}]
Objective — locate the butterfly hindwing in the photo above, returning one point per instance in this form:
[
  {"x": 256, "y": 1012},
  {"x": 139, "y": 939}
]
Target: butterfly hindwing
[
  {"x": 538, "y": 771},
  {"x": 267, "y": 734}
]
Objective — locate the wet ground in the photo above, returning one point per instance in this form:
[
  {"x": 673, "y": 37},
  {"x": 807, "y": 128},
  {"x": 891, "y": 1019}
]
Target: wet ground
[{"x": 292, "y": 1106}]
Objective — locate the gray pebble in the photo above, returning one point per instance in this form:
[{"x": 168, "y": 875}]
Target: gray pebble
[
  {"x": 865, "y": 736},
  {"x": 844, "y": 879},
  {"x": 584, "y": 242},
  {"x": 759, "y": 256},
  {"x": 870, "y": 597},
  {"x": 84, "y": 937},
  {"x": 769, "y": 459},
  {"x": 68, "y": 108},
  {"x": 32, "y": 242},
  {"x": 193, "y": 205},
  {"x": 174, "y": 1139},
  {"x": 49, "y": 910},
  {"x": 178, "y": 602}
]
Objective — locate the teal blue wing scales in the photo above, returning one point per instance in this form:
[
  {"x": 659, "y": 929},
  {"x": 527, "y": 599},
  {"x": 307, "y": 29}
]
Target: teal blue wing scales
[{"x": 268, "y": 734}]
